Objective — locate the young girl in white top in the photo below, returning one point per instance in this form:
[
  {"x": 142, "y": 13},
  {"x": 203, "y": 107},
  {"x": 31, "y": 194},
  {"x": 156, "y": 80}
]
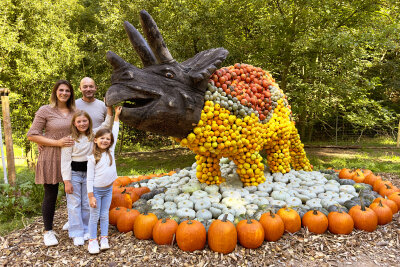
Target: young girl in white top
[
  {"x": 101, "y": 173},
  {"x": 73, "y": 170}
]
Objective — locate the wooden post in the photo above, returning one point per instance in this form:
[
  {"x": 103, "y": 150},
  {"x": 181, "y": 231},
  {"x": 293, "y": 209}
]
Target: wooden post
[
  {"x": 5, "y": 105},
  {"x": 398, "y": 136}
]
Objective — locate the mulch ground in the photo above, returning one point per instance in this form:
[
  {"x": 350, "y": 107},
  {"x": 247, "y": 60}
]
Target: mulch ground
[{"x": 381, "y": 248}]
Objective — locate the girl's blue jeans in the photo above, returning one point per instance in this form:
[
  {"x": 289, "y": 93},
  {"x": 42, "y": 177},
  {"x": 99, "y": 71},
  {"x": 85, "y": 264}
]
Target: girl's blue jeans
[
  {"x": 78, "y": 206},
  {"x": 103, "y": 197}
]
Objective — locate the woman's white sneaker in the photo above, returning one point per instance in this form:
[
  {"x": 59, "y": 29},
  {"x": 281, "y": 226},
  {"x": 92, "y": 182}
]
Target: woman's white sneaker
[
  {"x": 93, "y": 246},
  {"x": 66, "y": 226},
  {"x": 79, "y": 241},
  {"x": 50, "y": 239}
]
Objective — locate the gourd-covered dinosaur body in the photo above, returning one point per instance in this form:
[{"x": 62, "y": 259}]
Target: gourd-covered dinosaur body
[{"x": 233, "y": 112}]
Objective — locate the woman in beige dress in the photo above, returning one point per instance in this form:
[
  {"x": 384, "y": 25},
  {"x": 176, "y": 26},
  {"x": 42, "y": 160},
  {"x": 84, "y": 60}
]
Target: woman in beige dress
[{"x": 51, "y": 129}]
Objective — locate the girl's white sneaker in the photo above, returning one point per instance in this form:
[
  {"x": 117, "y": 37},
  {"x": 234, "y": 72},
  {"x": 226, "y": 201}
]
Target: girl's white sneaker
[
  {"x": 93, "y": 246},
  {"x": 49, "y": 238},
  {"x": 104, "y": 243}
]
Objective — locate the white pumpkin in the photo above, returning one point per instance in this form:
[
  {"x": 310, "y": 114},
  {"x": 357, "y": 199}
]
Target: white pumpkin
[
  {"x": 186, "y": 213},
  {"x": 204, "y": 214},
  {"x": 185, "y": 204},
  {"x": 202, "y": 204}
]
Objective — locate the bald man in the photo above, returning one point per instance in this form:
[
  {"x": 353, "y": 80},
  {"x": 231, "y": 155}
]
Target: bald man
[{"x": 95, "y": 108}]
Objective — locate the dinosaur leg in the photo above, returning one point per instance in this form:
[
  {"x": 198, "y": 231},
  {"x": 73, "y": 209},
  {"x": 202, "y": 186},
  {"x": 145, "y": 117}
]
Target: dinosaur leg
[
  {"x": 299, "y": 160},
  {"x": 250, "y": 168},
  {"x": 208, "y": 169}
]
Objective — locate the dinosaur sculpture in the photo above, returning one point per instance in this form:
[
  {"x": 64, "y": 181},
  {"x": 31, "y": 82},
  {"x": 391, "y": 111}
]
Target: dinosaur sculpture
[{"x": 232, "y": 112}]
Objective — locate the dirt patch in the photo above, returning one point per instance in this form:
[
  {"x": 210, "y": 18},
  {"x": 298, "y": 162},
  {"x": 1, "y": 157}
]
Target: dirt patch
[{"x": 379, "y": 248}]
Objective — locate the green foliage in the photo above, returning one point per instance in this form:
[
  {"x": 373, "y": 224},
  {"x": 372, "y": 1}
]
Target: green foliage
[{"x": 333, "y": 59}]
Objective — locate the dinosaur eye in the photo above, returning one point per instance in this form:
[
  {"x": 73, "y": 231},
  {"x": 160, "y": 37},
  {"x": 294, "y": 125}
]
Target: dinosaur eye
[{"x": 169, "y": 75}]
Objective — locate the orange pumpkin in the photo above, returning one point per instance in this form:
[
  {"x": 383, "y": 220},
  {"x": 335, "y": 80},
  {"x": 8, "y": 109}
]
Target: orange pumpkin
[
  {"x": 143, "y": 226},
  {"x": 291, "y": 219},
  {"x": 126, "y": 219},
  {"x": 378, "y": 185},
  {"x": 315, "y": 221},
  {"x": 384, "y": 213},
  {"x": 396, "y": 198},
  {"x": 345, "y": 173},
  {"x": 250, "y": 233},
  {"x": 366, "y": 172},
  {"x": 164, "y": 231},
  {"x": 139, "y": 190},
  {"x": 388, "y": 202},
  {"x": 121, "y": 200},
  {"x": 222, "y": 236},
  {"x": 358, "y": 176},
  {"x": 191, "y": 235},
  {"x": 273, "y": 225},
  {"x": 371, "y": 178},
  {"x": 114, "y": 214},
  {"x": 387, "y": 190},
  {"x": 340, "y": 223},
  {"x": 364, "y": 218},
  {"x": 122, "y": 180}
]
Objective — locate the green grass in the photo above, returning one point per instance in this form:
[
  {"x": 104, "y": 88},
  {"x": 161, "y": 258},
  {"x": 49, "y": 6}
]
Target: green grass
[{"x": 381, "y": 141}]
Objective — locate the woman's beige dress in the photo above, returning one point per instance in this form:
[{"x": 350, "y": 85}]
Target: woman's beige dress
[{"x": 51, "y": 123}]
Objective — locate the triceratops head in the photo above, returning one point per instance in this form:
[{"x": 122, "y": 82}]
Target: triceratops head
[{"x": 165, "y": 97}]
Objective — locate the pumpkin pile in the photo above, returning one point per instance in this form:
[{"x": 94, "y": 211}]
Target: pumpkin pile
[
  {"x": 245, "y": 112},
  {"x": 192, "y": 219}
]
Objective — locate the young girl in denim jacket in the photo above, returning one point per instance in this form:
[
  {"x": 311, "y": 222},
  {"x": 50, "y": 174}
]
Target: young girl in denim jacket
[
  {"x": 73, "y": 170},
  {"x": 101, "y": 173}
]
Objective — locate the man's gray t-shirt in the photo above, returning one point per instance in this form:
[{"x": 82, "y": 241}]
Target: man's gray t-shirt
[{"x": 97, "y": 110}]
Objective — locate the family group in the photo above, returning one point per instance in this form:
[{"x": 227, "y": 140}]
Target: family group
[{"x": 76, "y": 142}]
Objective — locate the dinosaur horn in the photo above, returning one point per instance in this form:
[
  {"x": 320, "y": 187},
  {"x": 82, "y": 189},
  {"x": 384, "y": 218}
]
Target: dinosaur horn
[
  {"x": 140, "y": 45},
  {"x": 154, "y": 38},
  {"x": 115, "y": 60}
]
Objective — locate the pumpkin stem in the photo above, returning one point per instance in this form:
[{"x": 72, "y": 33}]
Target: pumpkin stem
[
  {"x": 362, "y": 204},
  {"x": 189, "y": 221},
  {"x": 124, "y": 192},
  {"x": 225, "y": 217},
  {"x": 380, "y": 203},
  {"x": 315, "y": 212},
  {"x": 164, "y": 220},
  {"x": 249, "y": 220},
  {"x": 388, "y": 186}
]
